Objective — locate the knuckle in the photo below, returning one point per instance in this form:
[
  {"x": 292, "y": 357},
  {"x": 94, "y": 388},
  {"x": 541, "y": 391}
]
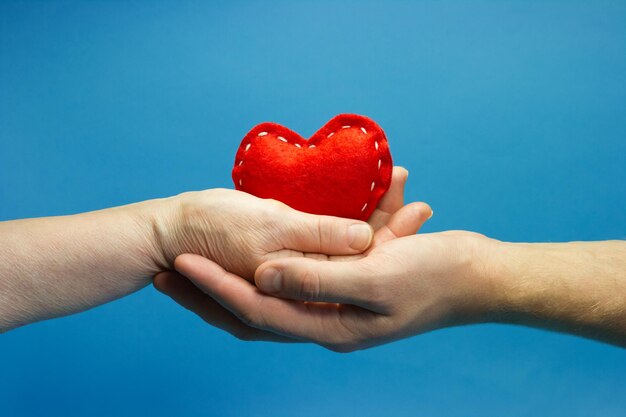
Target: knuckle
[
  {"x": 325, "y": 232},
  {"x": 272, "y": 214},
  {"x": 279, "y": 205},
  {"x": 266, "y": 212},
  {"x": 309, "y": 286}
]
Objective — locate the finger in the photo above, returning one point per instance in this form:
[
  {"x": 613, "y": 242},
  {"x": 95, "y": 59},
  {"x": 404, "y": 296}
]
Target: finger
[
  {"x": 325, "y": 234},
  {"x": 310, "y": 280},
  {"x": 392, "y": 200},
  {"x": 185, "y": 293},
  {"x": 303, "y": 321},
  {"x": 405, "y": 222}
]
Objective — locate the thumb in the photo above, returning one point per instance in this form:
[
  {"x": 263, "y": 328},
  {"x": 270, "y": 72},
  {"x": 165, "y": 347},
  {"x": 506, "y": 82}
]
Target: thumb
[
  {"x": 305, "y": 279},
  {"x": 305, "y": 232}
]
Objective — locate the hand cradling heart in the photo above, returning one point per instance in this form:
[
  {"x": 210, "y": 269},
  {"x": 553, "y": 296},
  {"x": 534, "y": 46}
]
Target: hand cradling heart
[{"x": 342, "y": 170}]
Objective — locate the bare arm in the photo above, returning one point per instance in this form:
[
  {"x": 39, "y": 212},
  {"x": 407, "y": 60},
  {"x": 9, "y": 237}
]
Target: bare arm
[
  {"x": 416, "y": 284},
  {"x": 55, "y": 266},
  {"x": 577, "y": 287}
]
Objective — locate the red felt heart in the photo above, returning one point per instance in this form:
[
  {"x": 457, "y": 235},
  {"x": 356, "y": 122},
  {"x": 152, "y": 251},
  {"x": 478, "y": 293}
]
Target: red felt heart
[{"x": 342, "y": 170}]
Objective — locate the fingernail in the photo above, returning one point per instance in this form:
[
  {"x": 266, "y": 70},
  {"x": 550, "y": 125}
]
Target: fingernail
[
  {"x": 431, "y": 213},
  {"x": 271, "y": 280},
  {"x": 359, "y": 236}
]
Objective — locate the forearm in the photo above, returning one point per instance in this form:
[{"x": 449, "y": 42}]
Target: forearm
[
  {"x": 577, "y": 287},
  {"x": 56, "y": 266}
]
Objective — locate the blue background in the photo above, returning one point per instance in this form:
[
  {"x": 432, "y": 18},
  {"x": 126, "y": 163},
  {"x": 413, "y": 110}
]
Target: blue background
[{"x": 510, "y": 116}]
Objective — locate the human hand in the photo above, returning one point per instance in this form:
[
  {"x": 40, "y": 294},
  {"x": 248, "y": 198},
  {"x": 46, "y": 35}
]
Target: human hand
[
  {"x": 390, "y": 220},
  {"x": 240, "y": 231},
  {"x": 403, "y": 287}
]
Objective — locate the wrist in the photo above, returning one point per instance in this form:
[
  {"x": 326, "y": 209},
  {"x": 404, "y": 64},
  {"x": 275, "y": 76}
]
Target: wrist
[
  {"x": 156, "y": 219},
  {"x": 482, "y": 285},
  {"x": 508, "y": 265},
  {"x": 180, "y": 224}
]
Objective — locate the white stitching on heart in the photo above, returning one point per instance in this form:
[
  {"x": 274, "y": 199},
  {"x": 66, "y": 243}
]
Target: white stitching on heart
[{"x": 313, "y": 146}]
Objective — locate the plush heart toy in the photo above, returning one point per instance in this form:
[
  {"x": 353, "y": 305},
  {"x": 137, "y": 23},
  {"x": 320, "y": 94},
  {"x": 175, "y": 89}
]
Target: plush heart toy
[{"x": 342, "y": 170}]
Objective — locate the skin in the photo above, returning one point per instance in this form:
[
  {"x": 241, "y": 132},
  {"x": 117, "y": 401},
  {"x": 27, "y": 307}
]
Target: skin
[
  {"x": 51, "y": 267},
  {"x": 414, "y": 284},
  {"x": 263, "y": 271},
  {"x": 390, "y": 220}
]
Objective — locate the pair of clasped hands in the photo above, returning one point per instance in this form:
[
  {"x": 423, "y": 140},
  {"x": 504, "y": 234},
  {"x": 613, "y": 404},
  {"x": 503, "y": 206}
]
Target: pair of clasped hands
[{"x": 263, "y": 271}]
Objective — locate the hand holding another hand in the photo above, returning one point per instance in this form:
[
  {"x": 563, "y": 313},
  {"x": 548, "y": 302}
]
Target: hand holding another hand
[{"x": 391, "y": 220}]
